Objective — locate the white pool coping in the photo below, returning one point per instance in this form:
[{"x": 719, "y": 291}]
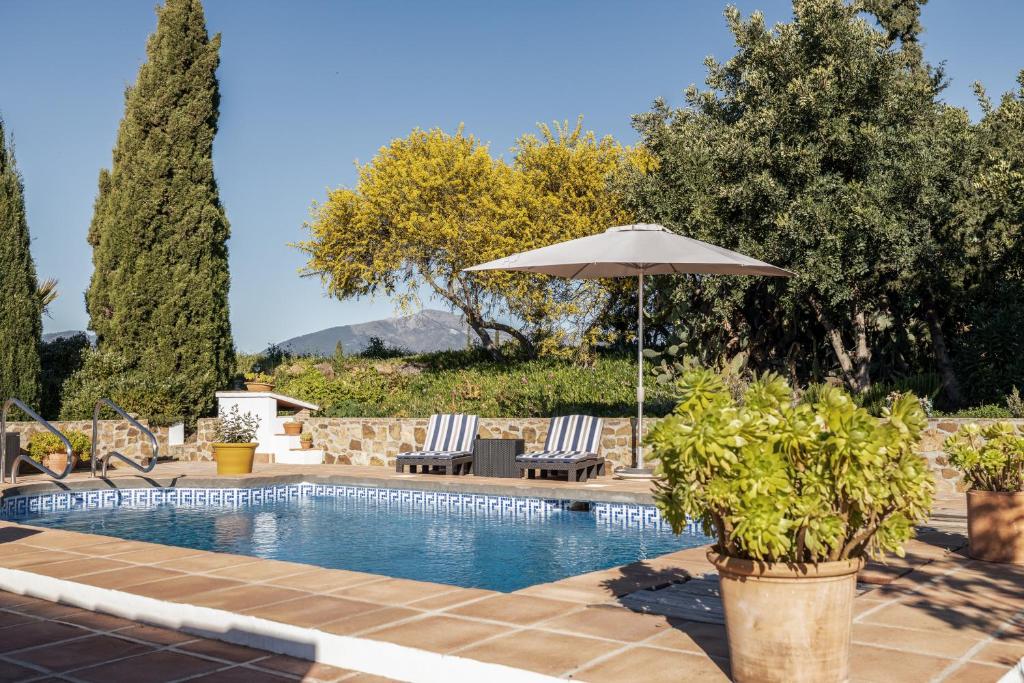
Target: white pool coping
[{"x": 360, "y": 654}]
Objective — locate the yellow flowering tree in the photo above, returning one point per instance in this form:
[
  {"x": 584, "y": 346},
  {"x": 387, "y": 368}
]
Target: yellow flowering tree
[{"x": 431, "y": 204}]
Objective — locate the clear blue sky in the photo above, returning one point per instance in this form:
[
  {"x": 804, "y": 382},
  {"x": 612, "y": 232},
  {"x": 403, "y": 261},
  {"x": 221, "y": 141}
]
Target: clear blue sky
[{"x": 309, "y": 87}]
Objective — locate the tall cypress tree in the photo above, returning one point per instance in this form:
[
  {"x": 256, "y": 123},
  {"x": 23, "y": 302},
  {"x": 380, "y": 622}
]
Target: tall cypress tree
[
  {"x": 21, "y": 324},
  {"x": 158, "y": 299}
]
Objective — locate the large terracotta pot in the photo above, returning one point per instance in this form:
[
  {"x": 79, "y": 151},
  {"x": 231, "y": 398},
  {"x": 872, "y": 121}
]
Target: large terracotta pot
[
  {"x": 995, "y": 526},
  {"x": 292, "y": 428},
  {"x": 234, "y": 458},
  {"x": 788, "y": 623},
  {"x": 58, "y": 461},
  {"x": 258, "y": 386}
]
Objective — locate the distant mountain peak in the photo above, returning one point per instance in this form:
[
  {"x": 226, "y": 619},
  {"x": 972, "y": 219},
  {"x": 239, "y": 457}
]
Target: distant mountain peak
[{"x": 422, "y": 332}]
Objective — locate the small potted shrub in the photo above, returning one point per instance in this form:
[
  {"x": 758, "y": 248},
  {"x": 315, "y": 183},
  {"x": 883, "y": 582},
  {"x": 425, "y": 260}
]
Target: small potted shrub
[
  {"x": 235, "y": 446},
  {"x": 48, "y": 449},
  {"x": 292, "y": 428},
  {"x": 991, "y": 459},
  {"x": 258, "y": 381},
  {"x": 796, "y": 496},
  {"x": 306, "y": 440}
]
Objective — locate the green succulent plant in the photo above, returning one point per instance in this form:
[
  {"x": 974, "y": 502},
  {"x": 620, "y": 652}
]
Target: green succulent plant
[
  {"x": 991, "y": 458},
  {"x": 778, "y": 480},
  {"x": 259, "y": 378}
]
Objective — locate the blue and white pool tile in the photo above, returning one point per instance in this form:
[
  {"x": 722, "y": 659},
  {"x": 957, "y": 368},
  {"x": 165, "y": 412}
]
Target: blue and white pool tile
[{"x": 440, "y": 502}]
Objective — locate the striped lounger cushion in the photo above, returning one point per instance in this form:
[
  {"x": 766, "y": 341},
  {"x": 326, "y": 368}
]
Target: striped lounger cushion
[
  {"x": 570, "y": 438},
  {"x": 448, "y": 436}
]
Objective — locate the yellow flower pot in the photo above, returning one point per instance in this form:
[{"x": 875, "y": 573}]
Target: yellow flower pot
[{"x": 234, "y": 458}]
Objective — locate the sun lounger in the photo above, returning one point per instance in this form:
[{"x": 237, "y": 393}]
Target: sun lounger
[
  {"x": 572, "y": 446},
  {"x": 449, "y": 445}
]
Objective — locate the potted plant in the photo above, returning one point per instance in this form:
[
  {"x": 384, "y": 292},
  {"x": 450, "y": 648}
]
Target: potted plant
[
  {"x": 292, "y": 428},
  {"x": 796, "y": 496},
  {"x": 235, "y": 446},
  {"x": 48, "y": 449},
  {"x": 259, "y": 381},
  {"x": 991, "y": 459},
  {"x": 306, "y": 440}
]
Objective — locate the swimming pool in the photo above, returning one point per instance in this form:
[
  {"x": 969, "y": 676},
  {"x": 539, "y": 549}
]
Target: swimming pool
[{"x": 501, "y": 543}]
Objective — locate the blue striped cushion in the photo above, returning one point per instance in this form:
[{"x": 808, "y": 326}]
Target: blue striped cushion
[
  {"x": 555, "y": 456},
  {"x": 574, "y": 433},
  {"x": 452, "y": 432},
  {"x": 432, "y": 454}
]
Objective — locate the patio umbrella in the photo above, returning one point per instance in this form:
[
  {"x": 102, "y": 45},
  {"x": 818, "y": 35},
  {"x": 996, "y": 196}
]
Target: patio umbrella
[{"x": 627, "y": 251}]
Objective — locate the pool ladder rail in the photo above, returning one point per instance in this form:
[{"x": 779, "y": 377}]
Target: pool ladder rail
[
  {"x": 24, "y": 457},
  {"x": 105, "y": 457}
]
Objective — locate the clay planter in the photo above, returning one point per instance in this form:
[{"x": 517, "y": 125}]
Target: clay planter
[
  {"x": 788, "y": 623},
  {"x": 306, "y": 443},
  {"x": 995, "y": 526},
  {"x": 234, "y": 458},
  {"x": 58, "y": 461},
  {"x": 292, "y": 428},
  {"x": 258, "y": 386}
]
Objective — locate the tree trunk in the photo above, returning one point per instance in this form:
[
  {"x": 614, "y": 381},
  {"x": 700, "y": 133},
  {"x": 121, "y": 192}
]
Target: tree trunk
[
  {"x": 485, "y": 338},
  {"x": 950, "y": 383},
  {"x": 528, "y": 348},
  {"x": 855, "y": 366}
]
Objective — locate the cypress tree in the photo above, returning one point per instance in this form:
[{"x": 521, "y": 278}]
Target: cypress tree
[
  {"x": 158, "y": 298},
  {"x": 21, "y": 325}
]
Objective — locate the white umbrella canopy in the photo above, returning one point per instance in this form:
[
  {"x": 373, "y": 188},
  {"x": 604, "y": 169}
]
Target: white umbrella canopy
[{"x": 633, "y": 251}]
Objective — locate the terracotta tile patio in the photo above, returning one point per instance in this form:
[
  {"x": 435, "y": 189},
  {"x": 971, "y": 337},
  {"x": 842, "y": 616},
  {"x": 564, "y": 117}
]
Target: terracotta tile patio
[
  {"x": 932, "y": 616},
  {"x": 41, "y": 643}
]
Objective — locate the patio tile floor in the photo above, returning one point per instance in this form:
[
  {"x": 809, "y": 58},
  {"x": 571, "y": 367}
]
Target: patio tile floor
[
  {"x": 38, "y": 645},
  {"x": 936, "y": 616}
]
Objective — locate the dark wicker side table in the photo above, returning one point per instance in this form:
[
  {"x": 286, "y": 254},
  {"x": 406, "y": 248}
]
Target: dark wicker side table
[{"x": 497, "y": 457}]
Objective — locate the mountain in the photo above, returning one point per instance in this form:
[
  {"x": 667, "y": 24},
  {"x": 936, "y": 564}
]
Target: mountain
[
  {"x": 50, "y": 336},
  {"x": 428, "y": 330}
]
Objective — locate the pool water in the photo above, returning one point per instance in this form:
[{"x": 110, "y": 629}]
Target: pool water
[{"x": 497, "y": 551}]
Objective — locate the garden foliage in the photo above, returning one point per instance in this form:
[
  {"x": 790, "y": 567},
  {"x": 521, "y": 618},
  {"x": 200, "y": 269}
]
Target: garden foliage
[
  {"x": 991, "y": 457},
  {"x": 434, "y": 203},
  {"x": 823, "y": 146},
  {"x": 775, "y": 480},
  {"x": 462, "y": 381},
  {"x": 21, "y": 324},
  {"x": 233, "y": 426},
  {"x": 42, "y": 444},
  {"x": 158, "y": 298}
]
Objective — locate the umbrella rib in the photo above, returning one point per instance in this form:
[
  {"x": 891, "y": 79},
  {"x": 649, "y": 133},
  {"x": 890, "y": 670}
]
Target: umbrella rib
[{"x": 576, "y": 274}]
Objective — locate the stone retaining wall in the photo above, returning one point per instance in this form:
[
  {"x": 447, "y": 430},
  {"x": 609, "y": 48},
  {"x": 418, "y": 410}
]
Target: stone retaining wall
[
  {"x": 376, "y": 441},
  {"x": 116, "y": 435}
]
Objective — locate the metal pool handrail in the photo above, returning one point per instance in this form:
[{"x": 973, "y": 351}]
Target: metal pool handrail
[
  {"x": 114, "y": 454},
  {"x": 22, "y": 457}
]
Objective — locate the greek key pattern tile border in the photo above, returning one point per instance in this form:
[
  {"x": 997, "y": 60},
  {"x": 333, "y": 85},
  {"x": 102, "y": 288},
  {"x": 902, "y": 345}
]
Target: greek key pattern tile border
[{"x": 621, "y": 515}]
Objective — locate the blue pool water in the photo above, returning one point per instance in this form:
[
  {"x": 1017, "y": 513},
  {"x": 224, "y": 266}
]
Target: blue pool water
[{"x": 485, "y": 544}]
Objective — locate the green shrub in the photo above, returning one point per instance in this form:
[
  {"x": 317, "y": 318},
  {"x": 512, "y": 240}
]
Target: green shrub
[
  {"x": 990, "y": 411},
  {"x": 467, "y": 381},
  {"x": 61, "y": 358},
  {"x": 233, "y": 426},
  {"x": 779, "y": 481},
  {"x": 107, "y": 375},
  {"x": 259, "y": 378},
  {"x": 991, "y": 458},
  {"x": 1015, "y": 404},
  {"x": 42, "y": 444}
]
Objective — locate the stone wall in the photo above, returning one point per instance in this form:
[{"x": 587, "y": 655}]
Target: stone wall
[
  {"x": 376, "y": 441},
  {"x": 116, "y": 435}
]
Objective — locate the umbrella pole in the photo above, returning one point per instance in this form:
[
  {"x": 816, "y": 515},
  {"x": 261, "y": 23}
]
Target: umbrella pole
[{"x": 640, "y": 372}]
